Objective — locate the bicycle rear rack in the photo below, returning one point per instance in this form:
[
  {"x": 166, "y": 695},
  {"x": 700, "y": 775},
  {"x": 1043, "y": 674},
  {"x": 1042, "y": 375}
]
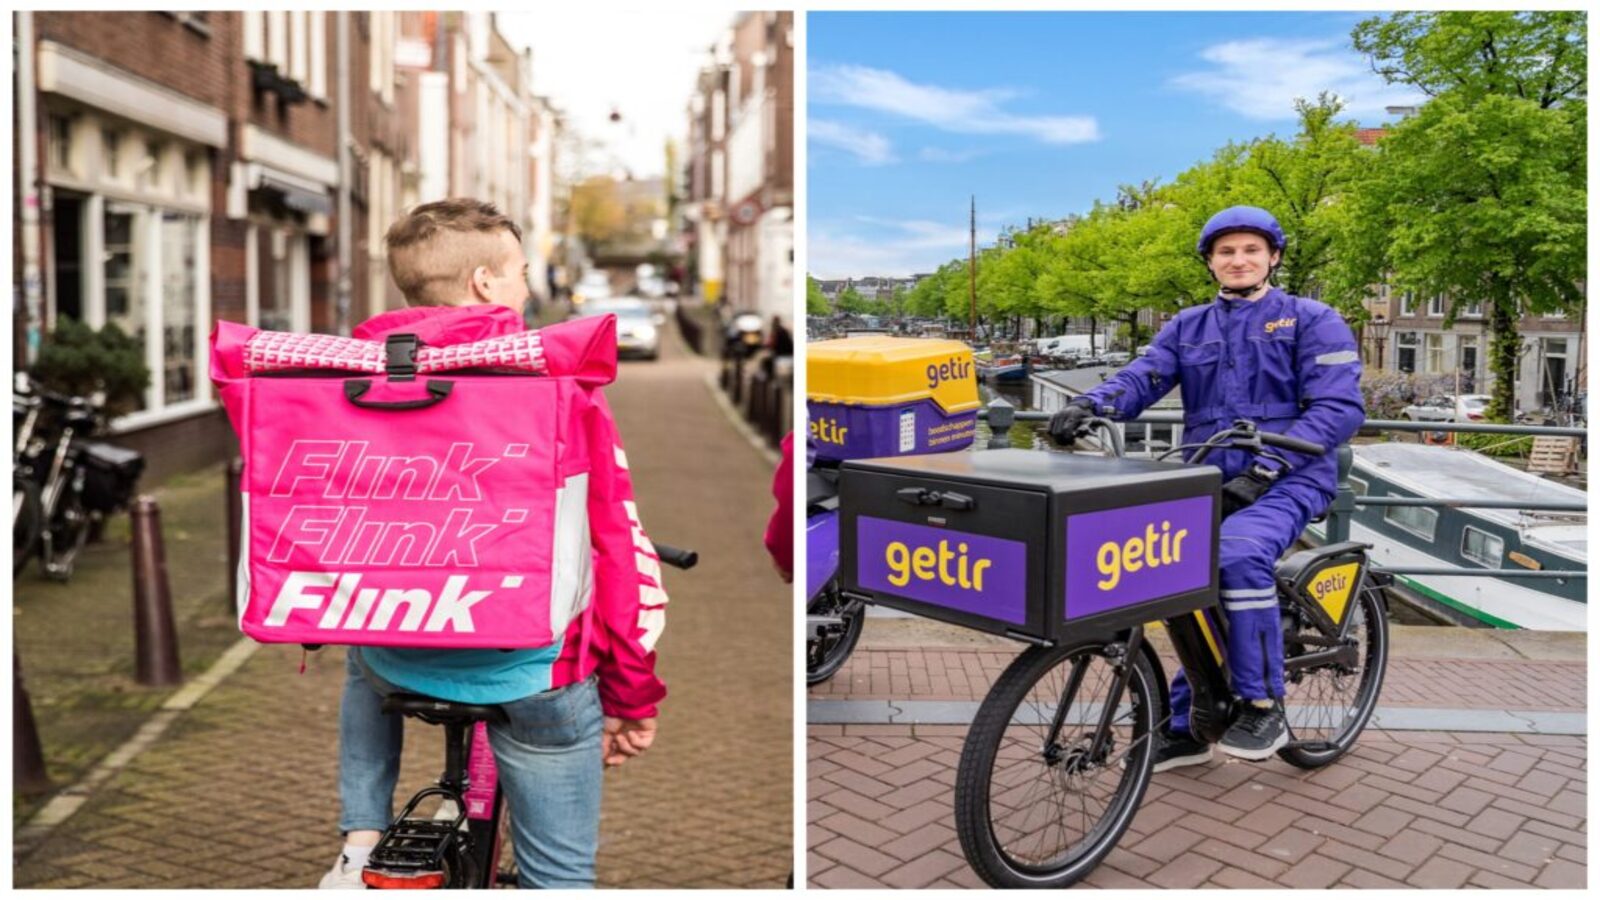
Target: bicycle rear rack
[{"x": 414, "y": 847}]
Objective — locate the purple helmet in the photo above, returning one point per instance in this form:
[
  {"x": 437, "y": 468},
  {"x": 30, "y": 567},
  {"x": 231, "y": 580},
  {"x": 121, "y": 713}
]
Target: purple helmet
[{"x": 1253, "y": 219}]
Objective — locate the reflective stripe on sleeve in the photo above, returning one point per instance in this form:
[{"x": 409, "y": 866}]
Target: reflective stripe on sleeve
[{"x": 1338, "y": 358}]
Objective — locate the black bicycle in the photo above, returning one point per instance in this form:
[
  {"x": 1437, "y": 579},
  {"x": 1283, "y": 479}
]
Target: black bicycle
[
  {"x": 465, "y": 843},
  {"x": 63, "y": 484},
  {"x": 1060, "y": 753}
]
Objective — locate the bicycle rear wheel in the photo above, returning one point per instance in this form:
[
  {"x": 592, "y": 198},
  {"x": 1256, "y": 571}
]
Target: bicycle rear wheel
[
  {"x": 1038, "y": 811},
  {"x": 1328, "y": 705},
  {"x": 827, "y": 655}
]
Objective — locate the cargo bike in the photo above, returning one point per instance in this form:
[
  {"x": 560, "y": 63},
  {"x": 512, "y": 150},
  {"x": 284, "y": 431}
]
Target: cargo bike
[{"x": 1080, "y": 556}]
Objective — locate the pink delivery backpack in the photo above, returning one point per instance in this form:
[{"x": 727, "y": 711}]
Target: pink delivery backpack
[{"x": 404, "y": 495}]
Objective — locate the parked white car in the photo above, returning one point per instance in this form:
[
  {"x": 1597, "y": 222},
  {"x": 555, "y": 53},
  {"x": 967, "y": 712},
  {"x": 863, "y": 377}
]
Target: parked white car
[{"x": 1447, "y": 408}]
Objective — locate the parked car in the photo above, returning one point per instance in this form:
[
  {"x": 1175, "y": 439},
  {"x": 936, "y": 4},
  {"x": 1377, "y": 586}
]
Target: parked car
[
  {"x": 1448, "y": 408},
  {"x": 637, "y": 334},
  {"x": 594, "y": 285},
  {"x": 1116, "y": 358}
]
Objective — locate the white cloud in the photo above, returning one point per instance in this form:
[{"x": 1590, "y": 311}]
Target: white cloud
[
  {"x": 868, "y": 147},
  {"x": 1260, "y": 78},
  {"x": 949, "y": 109},
  {"x": 888, "y": 247},
  {"x": 941, "y": 155}
]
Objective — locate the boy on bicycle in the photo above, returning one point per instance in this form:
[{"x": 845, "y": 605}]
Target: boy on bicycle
[
  {"x": 1289, "y": 364},
  {"x": 587, "y": 701}
]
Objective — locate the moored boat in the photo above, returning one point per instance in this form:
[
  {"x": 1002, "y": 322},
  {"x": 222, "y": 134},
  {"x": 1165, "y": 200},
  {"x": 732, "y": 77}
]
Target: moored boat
[{"x": 1472, "y": 537}]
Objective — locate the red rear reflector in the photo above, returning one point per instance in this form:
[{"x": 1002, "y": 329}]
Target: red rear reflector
[
  {"x": 384, "y": 881},
  {"x": 1474, "y": 416}
]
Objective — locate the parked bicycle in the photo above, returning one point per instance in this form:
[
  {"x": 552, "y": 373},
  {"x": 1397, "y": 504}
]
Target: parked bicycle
[
  {"x": 1060, "y": 753},
  {"x": 466, "y": 842},
  {"x": 63, "y": 484}
]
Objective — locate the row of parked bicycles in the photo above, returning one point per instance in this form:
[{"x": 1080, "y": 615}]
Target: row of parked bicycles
[{"x": 64, "y": 482}]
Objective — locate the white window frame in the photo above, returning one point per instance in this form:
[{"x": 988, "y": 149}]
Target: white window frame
[
  {"x": 255, "y": 34},
  {"x": 278, "y": 39},
  {"x": 299, "y": 47},
  {"x": 1494, "y": 540},
  {"x": 1408, "y": 304},
  {"x": 1436, "y": 306},
  {"x": 318, "y": 84},
  {"x": 299, "y": 276},
  {"x": 1558, "y": 314},
  {"x": 1473, "y": 310}
]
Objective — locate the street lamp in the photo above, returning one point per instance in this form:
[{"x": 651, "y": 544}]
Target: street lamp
[{"x": 1380, "y": 333}]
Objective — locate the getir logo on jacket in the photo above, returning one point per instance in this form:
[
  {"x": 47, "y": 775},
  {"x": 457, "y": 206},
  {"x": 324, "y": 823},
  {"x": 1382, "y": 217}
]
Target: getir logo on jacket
[
  {"x": 1279, "y": 323},
  {"x": 1121, "y": 557},
  {"x": 973, "y": 573}
]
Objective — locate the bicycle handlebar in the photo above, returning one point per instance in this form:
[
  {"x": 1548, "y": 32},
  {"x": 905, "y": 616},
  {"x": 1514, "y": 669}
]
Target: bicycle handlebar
[
  {"x": 680, "y": 559},
  {"x": 1286, "y": 442}
]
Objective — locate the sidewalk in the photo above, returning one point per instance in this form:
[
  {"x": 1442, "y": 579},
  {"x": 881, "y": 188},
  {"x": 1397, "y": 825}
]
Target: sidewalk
[
  {"x": 1407, "y": 808},
  {"x": 240, "y": 791}
]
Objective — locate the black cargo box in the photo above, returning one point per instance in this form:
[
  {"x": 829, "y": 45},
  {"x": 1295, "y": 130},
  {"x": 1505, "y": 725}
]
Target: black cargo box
[{"x": 1033, "y": 544}]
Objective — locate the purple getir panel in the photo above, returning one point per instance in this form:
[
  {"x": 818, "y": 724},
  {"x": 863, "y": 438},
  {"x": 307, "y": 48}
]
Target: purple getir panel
[
  {"x": 970, "y": 573},
  {"x": 1121, "y": 557},
  {"x": 864, "y": 432}
]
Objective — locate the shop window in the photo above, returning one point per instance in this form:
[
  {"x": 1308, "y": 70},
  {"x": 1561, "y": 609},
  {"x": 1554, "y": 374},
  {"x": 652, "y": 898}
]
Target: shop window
[
  {"x": 122, "y": 274},
  {"x": 180, "y": 306}
]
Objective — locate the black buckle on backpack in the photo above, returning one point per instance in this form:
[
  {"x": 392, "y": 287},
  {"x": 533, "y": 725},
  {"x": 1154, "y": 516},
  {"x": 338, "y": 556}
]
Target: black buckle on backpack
[{"x": 402, "y": 356}]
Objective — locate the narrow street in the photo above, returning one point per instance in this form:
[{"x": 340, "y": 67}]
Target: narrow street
[{"x": 240, "y": 791}]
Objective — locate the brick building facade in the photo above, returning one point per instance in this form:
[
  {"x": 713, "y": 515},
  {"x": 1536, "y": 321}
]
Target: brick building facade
[{"x": 188, "y": 169}]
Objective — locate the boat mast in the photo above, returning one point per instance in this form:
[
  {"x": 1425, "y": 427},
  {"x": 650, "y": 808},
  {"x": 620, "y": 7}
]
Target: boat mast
[{"x": 972, "y": 270}]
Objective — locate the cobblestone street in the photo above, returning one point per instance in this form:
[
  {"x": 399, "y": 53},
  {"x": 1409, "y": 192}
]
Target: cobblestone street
[
  {"x": 1407, "y": 808},
  {"x": 240, "y": 790}
]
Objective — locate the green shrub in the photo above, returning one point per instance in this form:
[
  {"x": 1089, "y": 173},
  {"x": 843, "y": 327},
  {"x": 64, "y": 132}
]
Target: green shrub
[
  {"x": 1497, "y": 444},
  {"x": 77, "y": 359}
]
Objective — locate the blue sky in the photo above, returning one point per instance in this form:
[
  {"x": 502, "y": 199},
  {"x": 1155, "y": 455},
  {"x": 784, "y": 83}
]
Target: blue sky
[{"x": 1039, "y": 115}]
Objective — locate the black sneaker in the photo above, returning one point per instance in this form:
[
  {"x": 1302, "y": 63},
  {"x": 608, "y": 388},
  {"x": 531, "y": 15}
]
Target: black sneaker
[
  {"x": 1256, "y": 733},
  {"x": 1174, "y": 751}
]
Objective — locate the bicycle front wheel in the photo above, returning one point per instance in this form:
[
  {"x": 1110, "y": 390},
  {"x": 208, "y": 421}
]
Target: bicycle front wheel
[
  {"x": 1040, "y": 810},
  {"x": 1329, "y": 704}
]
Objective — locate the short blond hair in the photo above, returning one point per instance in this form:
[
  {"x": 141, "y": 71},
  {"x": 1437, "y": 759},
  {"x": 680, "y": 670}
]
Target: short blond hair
[{"x": 434, "y": 249}]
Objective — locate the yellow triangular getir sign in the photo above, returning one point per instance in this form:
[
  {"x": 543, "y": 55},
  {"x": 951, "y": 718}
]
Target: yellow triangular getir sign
[{"x": 1332, "y": 588}]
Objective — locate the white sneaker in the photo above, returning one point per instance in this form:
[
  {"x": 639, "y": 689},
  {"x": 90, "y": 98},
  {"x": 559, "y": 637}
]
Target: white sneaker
[{"x": 342, "y": 876}]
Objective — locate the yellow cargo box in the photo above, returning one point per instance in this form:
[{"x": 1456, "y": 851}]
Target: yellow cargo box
[{"x": 887, "y": 396}]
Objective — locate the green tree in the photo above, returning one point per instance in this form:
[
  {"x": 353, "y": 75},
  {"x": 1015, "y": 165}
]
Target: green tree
[
  {"x": 1540, "y": 56},
  {"x": 851, "y": 301},
  {"x": 1481, "y": 195},
  {"x": 816, "y": 303}
]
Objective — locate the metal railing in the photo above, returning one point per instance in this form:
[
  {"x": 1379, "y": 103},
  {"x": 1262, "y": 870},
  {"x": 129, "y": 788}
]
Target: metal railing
[{"x": 1001, "y": 415}]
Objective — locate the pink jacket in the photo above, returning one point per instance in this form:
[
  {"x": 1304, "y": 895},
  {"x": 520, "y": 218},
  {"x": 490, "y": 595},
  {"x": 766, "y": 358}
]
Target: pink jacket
[{"x": 616, "y": 635}]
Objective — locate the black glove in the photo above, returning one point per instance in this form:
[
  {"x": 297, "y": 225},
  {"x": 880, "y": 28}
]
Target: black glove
[
  {"x": 1246, "y": 489},
  {"x": 1071, "y": 421}
]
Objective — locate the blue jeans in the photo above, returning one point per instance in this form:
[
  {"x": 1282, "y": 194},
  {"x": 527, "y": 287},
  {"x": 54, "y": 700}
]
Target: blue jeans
[{"x": 548, "y": 757}]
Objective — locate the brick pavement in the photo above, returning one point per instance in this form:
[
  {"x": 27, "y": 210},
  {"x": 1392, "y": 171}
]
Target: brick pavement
[
  {"x": 1404, "y": 809},
  {"x": 241, "y": 791}
]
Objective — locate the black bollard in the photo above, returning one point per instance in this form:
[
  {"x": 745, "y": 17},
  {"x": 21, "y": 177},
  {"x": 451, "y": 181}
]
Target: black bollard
[
  {"x": 736, "y": 385},
  {"x": 155, "y": 639},
  {"x": 28, "y": 774},
  {"x": 235, "y": 524}
]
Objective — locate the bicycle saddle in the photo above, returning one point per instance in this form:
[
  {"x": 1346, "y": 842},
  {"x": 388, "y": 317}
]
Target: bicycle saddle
[{"x": 441, "y": 712}]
